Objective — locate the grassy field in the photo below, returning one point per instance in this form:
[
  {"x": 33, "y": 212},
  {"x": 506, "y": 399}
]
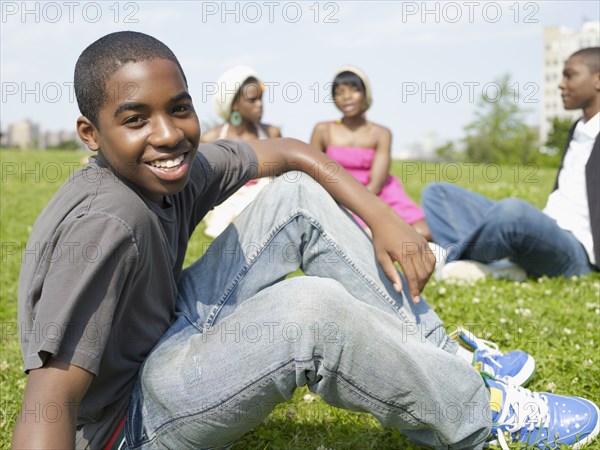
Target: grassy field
[{"x": 556, "y": 320}]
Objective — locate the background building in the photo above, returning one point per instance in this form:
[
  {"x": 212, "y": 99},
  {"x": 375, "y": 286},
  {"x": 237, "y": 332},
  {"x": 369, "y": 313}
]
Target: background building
[
  {"x": 24, "y": 135},
  {"x": 57, "y": 139},
  {"x": 422, "y": 149},
  {"x": 27, "y": 135},
  {"x": 559, "y": 43}
]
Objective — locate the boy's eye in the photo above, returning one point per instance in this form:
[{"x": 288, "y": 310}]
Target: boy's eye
[
  {"x": 184, "y": 108},
  {"x": 133, "y": 120}
]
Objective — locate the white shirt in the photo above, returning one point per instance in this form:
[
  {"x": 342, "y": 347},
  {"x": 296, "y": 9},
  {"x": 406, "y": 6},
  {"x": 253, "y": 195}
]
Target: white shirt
[{"x": 568, "y": 205}]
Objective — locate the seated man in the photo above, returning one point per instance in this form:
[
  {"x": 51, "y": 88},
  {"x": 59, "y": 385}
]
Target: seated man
[
  {"x": 132, "y": 351},
  {"x": 564, "y": 238}
]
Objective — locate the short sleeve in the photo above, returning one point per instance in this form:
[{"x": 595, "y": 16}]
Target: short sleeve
[
  {"x": 226, "y": 166},
  {"x": 86, "y": 268}
]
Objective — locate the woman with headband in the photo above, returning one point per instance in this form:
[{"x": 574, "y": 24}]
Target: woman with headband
[{"x": 238, "y": 102}]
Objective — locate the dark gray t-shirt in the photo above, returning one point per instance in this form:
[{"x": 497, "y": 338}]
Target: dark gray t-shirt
[{"x": 99, "y": 276}]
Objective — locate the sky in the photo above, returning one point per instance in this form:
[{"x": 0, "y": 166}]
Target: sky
[{"x": 428, "y": 62}]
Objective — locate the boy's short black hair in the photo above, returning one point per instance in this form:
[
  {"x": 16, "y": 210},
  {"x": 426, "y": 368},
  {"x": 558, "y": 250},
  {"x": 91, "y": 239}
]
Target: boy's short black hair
[
  {"x": 349, "y": 78},
  {"x": 590, "y": 57},
  {"x": 98, "y": 62}
]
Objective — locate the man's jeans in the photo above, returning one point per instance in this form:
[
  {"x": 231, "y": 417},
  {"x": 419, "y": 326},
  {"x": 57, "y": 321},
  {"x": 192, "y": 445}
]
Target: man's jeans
[
  {"x": 246, "y": 338},
  {"x": 470, "y": 226}
]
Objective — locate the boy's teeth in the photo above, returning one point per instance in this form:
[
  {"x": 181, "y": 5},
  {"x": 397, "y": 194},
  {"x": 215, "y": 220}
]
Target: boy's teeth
[{"x": 167, "y": 163}]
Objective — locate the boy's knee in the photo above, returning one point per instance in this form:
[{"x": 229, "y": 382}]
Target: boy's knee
[
  {"x": 293, "y": 182},
  {"x": 433, "y": 192},
  {"x": 512, "y": 211},
  {"x": 514, "y": 218},
  {"x": 296, "y": 190}
]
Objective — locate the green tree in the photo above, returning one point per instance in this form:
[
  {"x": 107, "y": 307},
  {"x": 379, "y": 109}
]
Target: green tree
[
  {"x": 499, "y": 133},
  {"x": 551, "y": 154},
  {"x": 558, "y": 135},
  {"x": 448, "y": 152}
]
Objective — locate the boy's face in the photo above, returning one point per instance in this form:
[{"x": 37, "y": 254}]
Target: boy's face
[
  {"x": 579, "y": 87},
  {"x": 148, "y": 129}
]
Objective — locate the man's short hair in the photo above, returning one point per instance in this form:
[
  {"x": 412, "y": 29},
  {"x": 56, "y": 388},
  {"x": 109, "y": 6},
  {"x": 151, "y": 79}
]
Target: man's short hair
[
  {"x": 98, "y": 62},
  {"x": 590, "y": 57}
]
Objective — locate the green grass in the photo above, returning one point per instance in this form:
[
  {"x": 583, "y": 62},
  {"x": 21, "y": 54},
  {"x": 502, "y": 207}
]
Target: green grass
[{"x": 556, "y": 320}]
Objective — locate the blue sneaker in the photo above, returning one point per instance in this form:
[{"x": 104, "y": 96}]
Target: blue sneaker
[
  {"x": 539, "y": 420},
  {"x": 516, "y": 367}
]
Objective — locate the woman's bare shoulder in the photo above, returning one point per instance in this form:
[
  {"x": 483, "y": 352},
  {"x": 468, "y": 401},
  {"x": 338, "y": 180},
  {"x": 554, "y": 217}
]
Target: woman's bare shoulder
[
  {"x": 380, "y": 130},
  {"x": 211, "y": 134},
  {"x": 271, "y": 130}
]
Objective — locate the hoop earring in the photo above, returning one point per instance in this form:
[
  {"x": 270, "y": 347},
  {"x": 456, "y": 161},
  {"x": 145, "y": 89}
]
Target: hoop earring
[{"x": 235, "y": 119}]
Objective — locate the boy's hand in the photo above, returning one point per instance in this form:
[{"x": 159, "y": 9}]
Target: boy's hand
[{"x": 395, "y": 240}]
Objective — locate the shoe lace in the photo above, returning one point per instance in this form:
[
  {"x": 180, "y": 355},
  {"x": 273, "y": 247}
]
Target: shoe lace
[
  {"x": 523, "y": 411},
  {"x": 488, "y": 351}
]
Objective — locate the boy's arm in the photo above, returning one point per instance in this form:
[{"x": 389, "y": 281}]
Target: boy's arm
[
  {"x": 380, "y": 168},
  {"x": 48, "y": 414},
  {"x": 393, "y": 238}
]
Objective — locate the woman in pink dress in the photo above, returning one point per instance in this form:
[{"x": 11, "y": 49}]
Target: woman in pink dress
[{"x": 364, "y": 148}]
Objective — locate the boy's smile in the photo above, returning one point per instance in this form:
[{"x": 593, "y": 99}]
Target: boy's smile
[{"x": 148, "y": 130}]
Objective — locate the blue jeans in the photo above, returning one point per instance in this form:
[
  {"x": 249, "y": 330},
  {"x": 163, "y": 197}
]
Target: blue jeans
[
  {"x": 245, "y": 338},
  {"x": 471, "y": 226}
]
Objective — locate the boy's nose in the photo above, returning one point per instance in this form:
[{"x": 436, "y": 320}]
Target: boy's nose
[{"x": 165, "y": 133}]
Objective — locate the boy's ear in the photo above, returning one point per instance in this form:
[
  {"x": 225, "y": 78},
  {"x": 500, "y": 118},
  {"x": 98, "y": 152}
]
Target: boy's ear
[
  {"x": 597, "y": 81},
  {"x": 88, "y": 133}
]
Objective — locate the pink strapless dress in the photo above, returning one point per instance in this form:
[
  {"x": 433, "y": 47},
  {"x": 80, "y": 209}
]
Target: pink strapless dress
[{"x": 358, "y": 162}]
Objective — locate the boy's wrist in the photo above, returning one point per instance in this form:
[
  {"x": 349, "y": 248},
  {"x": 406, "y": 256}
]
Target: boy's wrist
[{"x": 377, "y": 212}]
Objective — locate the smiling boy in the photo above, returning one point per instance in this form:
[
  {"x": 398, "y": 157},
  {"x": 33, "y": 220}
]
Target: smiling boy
[{"x": 134, "y": 352}]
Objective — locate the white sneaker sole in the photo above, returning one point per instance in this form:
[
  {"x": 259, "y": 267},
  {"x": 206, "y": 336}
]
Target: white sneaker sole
[{"x": 472, "y": 271}]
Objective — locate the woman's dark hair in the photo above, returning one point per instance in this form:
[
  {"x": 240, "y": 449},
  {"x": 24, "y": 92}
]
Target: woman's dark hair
[
  {"x": 248, "y": 81},
  {"x": 349, "y": 78}
]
